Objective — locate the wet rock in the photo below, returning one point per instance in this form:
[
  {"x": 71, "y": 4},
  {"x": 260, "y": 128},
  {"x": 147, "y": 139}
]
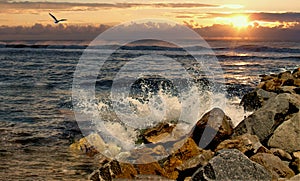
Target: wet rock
[
  {"x": 272, "y": 85},
  {"x": 256, "y": 99},
  {"x": 187, "y": 150},
  {"x": 150, "y": 169},
  {"x": 283, "y": 155},
  {"x": 231, "y": 165},
  {"x": 157, "y": 133},
  {"x": 287, "y": 135},
  {"x": 274, "y": 165},
  {"x": 296, "y": 73},
  {"x": 212, "y": 128},
  {"x": 190, "y": 166},
  {"x": 286, "y": 75},
  {"x": 295, "y": 164},
  {"x": 90, "y": 145},
  {"x": 247, "y": 144},
  {"x": 265, "y": 120},
  {"x": 267, "y": 77},
  {"x": 114, "y": 169}
]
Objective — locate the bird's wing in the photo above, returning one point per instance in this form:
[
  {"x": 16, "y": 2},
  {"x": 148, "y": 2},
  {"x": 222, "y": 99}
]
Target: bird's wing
[
  {"x": 63, "y": 20},
  {"x": 53, "y": 16}
]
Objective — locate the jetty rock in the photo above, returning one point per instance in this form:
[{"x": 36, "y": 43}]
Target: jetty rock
[
  {"x": 274, "y": 83},
  {"x": 274, "y": 165},
  {"x": 231, "y": 164},
  {"x": 213, "y": 128},
  {"x": 287, "y": 135},
  {"x": 266, "y": 119}
]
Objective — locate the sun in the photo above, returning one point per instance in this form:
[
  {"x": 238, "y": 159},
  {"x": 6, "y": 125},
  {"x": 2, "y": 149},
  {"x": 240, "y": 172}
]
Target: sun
[{"x": 239, "y": 21}]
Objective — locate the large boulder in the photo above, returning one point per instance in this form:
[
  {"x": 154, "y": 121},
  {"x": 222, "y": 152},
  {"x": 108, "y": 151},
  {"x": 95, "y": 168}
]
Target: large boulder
[
  {"x": 256, "y": 99},
  {"x": 287, "y": 135},
  {"x": 213, "y": 128},
  {"x": 265, "y": 120},
  {"x": 231, "y": 165},
  {"x": 274, "y": 165}
]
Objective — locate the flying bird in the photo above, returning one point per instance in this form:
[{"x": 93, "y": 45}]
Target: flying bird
[{"x": 56, "y": 20}]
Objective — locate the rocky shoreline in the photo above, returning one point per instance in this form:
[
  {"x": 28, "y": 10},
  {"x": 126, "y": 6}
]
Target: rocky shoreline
[{"x": 263, "y": 146}]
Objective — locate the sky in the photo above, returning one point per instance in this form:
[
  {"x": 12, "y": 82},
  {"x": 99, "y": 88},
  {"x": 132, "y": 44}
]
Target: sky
[{"x": 261, "y": 19}]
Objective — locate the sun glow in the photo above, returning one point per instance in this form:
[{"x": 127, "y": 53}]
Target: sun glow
[{"x": 239, "y": 21}]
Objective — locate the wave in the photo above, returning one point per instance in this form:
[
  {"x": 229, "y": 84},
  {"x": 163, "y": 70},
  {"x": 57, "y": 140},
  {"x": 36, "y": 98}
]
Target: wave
[
  {"x": 129, "y": 47},
  {"x": 257, "y": 48},
  {"x": 237, "y": 57},
  {"x": 242, "y": 48}
]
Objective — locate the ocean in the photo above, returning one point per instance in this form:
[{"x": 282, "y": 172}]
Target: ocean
[{"x": 37, "y": 124}]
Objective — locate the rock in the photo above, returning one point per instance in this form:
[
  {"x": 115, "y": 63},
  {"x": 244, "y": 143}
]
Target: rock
[
  {"x": 296, "y": 73},
  {"x": 212, "y": 128},
  {"x": 274, "y": 165},
  {"x": 297, "y": 90},
  {"x": 285, "y": 75},
  {"x": 267, "y": 77},
  {"x": 256, "y": 99},
  {"x": 231, "y": 165},
  {"x": 265, "y": 120},
  {"x": 295, "y": 164},
  {"x": 287, "y": 135},
  {"x": 295, "y": 178},
  {"x": 283, "y": 155},
  {"x": 157, "y": 133},
  {"x": 113, "y": 169},
  {"x": 150, "y": 169},
  {"x": 116, "y": 170},
  {"x": 288, "y": 89},
  {"x": 187, "y": 151},
  {"x": 90, "y": 145},
  {"x": 272, "y": 85},
  {"x": 112, "y": 150},
  {"x": 297, "y": 82},
  {"x": 190, "y": 166},
  {"x": 247, "y": 144}
]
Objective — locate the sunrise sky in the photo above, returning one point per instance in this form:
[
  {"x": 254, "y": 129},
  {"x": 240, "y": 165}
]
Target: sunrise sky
[{"x": 214, "y": 18}]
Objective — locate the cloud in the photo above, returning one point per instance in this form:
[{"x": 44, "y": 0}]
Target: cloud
[
  {"x": 23, "y": 6},
  {"x": 256, "y": 16},
  {"x": 184, "y": 16},
  {"x": 88, "y": 33},
  {"x": 273, "y": 17},
  {"x": 49, "y": 32}
]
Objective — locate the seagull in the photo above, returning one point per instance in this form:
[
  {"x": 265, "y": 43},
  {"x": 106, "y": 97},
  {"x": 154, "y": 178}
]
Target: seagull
[{"x": 56, "y": 20}]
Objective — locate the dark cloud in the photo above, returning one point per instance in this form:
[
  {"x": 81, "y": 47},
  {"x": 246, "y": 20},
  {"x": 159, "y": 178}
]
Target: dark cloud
[
  {"x": 49, "y": 32},
  {"x": 273, "y": 17},
  {"x": 259, "y": 16}
]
